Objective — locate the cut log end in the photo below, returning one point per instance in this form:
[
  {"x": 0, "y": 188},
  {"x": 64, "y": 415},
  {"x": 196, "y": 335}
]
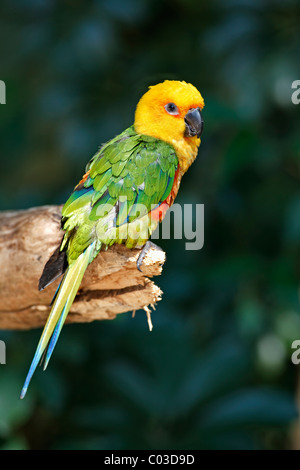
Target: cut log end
[{"x": 111, "y": 285}]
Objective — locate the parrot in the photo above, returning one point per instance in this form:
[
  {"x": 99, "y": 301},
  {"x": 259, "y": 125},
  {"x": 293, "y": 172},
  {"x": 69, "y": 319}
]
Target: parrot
[{"x": 125, "y": 192}]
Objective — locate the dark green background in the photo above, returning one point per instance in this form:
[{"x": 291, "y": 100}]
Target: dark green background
[{"x": 216, "y": 371}]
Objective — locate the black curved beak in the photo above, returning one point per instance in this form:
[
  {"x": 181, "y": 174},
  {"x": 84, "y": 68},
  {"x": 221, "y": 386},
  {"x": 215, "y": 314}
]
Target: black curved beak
[{"x": 193, "y": 123}]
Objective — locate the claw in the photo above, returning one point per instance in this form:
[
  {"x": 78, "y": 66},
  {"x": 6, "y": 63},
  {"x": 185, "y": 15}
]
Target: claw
[{"x": 146, "y": 248}]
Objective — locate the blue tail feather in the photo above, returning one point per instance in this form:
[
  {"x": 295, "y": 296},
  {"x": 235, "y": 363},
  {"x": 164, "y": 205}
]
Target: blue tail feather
[
  {"x": 63, "y": 299},
  {"x": 31, "y": 371},
  {"x": 55, "y": 294},
  {"x": 54, "y": 338}
]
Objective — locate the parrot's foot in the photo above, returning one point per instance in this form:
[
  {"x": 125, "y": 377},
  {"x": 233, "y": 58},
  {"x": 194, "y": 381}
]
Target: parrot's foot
[{"x": 146, "y": 248}]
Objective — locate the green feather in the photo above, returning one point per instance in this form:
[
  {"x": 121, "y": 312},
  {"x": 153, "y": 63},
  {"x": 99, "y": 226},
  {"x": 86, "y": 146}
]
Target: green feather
[
  {"x": 103, "y": 165},
  {"x": 76, "y": 202},
  {"x": 118, "y": 167},
  {"x": 115, "y": 188},
  {"x": 128, "y": 171},
  {"x": 102, "y": 180}
]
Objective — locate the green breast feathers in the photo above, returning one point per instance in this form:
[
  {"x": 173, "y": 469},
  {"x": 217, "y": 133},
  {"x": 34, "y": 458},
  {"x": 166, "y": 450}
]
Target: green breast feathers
[{"x": 126, "y": 179}]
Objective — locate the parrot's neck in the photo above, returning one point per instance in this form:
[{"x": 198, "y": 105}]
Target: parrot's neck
[{"x": 186, "y": 150}]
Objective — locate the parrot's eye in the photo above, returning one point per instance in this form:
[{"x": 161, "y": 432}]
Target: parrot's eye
[{"x": 171, "y": 108}]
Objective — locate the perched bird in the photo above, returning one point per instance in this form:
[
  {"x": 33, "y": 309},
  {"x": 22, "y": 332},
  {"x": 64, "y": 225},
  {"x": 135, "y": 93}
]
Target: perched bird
[{"x": 126, "y": 190}]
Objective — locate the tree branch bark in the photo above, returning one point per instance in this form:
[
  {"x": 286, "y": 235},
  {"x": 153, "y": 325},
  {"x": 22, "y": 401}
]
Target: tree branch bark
[{"x": 111, "y": 285}]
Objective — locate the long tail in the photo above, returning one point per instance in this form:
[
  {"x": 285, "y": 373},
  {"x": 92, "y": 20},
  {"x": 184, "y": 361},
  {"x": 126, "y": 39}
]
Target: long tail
[{"x": 60, "y": 309}]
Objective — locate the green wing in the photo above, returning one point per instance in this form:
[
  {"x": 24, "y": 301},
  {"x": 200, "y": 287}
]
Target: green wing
[{"x": 127, "y": 177}]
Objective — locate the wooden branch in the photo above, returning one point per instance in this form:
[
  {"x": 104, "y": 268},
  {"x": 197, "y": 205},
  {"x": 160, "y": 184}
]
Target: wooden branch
[{"x": 111, "y": 285}]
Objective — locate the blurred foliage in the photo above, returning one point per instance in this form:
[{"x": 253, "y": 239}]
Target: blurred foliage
[{"x": 216, "y": 371}]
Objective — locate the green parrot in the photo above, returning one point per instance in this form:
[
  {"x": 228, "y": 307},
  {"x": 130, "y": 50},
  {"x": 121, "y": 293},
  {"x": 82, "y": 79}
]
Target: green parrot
[{"x": 125, "y": 192}]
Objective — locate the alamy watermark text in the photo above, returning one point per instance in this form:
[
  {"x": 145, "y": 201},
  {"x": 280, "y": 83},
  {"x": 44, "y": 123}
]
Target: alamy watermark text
[
  {"x": 296, "y": 94},
  {"x": 2, "y": 352},
  {"x": 2, "y": 92}
]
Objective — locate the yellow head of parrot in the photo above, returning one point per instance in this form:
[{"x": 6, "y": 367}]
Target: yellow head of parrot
[{"x": 171, "y": 111}]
